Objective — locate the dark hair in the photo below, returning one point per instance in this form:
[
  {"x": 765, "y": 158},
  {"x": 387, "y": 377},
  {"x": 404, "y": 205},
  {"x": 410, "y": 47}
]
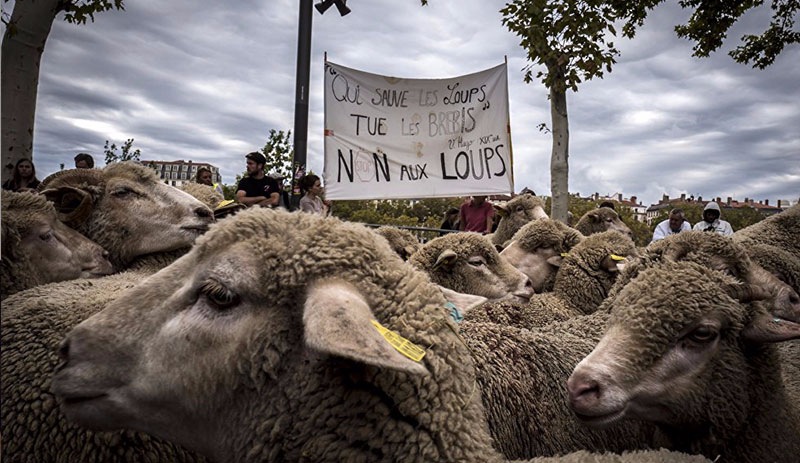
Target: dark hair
[
  {"x": 85, "y": 157},
  {"x": 452, "y": 210},
  {"x": 308, "y": 181},
  {"x": 607, "y": 204},
  {"x": 257, "y": 157},
  {"x": 676, "y": 211},
  {"x": 17, "y": 178},
  {"x": 200, "y": 170}
]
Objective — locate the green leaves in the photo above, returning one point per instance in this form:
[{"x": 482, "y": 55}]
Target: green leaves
[
  {"x": 126, "y": 153},
  {"x": 567, "y": 37},
  {"x": 279, "y": 151},
  {"x": 77, "y": 12}
]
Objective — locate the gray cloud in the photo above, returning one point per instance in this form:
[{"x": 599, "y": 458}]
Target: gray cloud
[{"x": 207, "y": 81}]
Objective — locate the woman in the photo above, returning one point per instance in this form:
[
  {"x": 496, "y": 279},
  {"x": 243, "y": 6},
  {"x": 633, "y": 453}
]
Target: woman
[
  {"x": 24, "y": 177},
  {"x": 312, "y": 201}
]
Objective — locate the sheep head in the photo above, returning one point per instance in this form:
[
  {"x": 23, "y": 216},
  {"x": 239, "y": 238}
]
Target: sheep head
[
  {"x": 724, "y": 254},
  {"x": 38, "y": 248},
  {"x": 268, "y": 313},
  {"x": 515, "y": 214},
  {"x": 126, "y": 209},
  {"x": 600, "y": 220},
  {"x": 468, "y": 263},
  {"x": 537, "y": 249},
  {"x": 676, "y": 344}
]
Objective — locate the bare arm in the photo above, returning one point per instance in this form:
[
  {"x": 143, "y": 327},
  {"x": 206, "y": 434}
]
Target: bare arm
[
  {"x": 241, "y": 197},
  {"x": 273, "y": 200}
]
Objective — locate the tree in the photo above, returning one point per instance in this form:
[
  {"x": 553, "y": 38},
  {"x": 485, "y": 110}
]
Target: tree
[
  {"x": 125, "y": 155},
  {"x": 709, "y": 24},
  {"x": 567, "y": 38},
  {"x": 279, "y": 151},
  {"x": 27, "y": 30}
]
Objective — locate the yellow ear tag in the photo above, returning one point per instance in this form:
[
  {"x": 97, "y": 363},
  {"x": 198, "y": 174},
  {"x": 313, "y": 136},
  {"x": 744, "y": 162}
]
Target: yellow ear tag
[
  {"x": 401, "y": 344},
  {"x": 616, "y": 257},
  {"x": 564, "y": 254}
]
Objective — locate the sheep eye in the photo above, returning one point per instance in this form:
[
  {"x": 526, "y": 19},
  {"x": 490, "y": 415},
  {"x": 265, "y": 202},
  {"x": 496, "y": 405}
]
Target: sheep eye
[
  {"x": 520, "y": 208},
  {"x": 219, "y": 296},
  {"x": 703, "y": 335},
  {"x": 122, "y": 192},
  {"x": 47, "y": 236},
  {"x": 476, "y": 261}
]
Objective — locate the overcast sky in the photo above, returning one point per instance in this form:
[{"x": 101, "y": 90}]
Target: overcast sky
[{"x": 206, "y": 81}]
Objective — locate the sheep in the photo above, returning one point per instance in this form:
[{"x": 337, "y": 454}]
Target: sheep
[
  {"x": 468, "y": 263},
  {"x": 285, "y": 337},
  {"x": 34, "y": 430},
  {"x": 721, "y": 253},
  {"x": 537, "y": 248},
  {"x": 126, "y": 209},
  {"x": 687, "y": 350},
  {"x": 521, "y": 375},
  {"x": 773, "y": 243},
  {"x": 34, "y": 322},
  {"x": 601, "y": 219},
  {"x": 403, "y": 242},
  {"x": 781, "y": 230},
  {"x": 515, "y": 214},
  {"x": 583, "y": 281},
  {"x": 204, "y": 193},
  {"x": 37, "y": 248},
  {"x": 551, "y": 351}
]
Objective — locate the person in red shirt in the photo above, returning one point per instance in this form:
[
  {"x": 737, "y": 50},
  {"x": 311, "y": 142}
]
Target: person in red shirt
[{"x": 476, "y": 215}]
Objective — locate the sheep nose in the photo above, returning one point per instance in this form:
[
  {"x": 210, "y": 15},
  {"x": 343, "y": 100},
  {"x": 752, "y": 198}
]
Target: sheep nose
[
  {"x": 584, "y": 393},
  {"x": 527, "y": 291}
]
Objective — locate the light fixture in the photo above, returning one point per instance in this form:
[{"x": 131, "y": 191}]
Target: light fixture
[
  {"x": 341, "y": 5},
  {"x": 323, "y": 6}
]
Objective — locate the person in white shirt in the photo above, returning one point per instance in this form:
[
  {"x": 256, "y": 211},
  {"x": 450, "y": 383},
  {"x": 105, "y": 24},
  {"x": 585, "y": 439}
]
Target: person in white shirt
[
  {"x": 711, "y": 221},
  {"x": 675, "y": 224}
]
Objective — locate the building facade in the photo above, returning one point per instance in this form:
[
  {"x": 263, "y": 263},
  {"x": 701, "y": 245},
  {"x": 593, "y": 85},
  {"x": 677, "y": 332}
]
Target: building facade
[{"x": 176, "y": 173}]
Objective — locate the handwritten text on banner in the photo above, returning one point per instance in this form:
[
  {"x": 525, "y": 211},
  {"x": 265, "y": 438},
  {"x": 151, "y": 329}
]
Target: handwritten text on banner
[{"x": 388, "y": 137}]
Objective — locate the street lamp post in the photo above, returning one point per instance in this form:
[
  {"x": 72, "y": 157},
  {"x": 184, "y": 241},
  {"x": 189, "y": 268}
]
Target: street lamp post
[{"x": 301, "y": 88}]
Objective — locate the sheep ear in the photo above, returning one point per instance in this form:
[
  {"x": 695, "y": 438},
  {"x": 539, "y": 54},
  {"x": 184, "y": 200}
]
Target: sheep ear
[
  {"x": 445, "y": 259},
  {"x": 501, "y": 210},
  {"x": 339, "y": 321},
  {"x": 555, "y": 261},
  {"x": 595, "y": 216},
  {"x": 73, "y": 205},
  {"x": 462, "y": 302},
  {"x": 766, "y": 328},
  {"x": 613, "y": 263}
]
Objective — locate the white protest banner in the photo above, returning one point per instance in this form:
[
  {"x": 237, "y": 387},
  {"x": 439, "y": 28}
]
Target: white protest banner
[{"x": 389, "y": 137}]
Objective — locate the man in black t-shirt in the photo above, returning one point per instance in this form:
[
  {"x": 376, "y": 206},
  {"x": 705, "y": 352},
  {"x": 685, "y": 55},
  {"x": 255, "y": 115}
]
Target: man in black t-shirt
[{"x": 256, "y": 189}]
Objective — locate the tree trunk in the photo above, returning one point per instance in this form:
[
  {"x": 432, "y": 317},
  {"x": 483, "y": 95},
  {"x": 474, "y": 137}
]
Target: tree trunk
[
  {"x": 23, "y": 45},
  {"x": 559, "y": 165}
]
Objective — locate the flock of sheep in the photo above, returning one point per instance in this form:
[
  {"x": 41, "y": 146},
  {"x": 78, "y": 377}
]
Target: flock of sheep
[{"x": 137, "y": 328}]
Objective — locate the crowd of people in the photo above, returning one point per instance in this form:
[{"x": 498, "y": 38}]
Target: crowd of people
[
  {"x": 677, "y": 223},
  {"x": 259, "y": 189}
]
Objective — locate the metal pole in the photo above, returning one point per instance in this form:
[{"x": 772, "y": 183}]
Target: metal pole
[{"x": 301, "y": 98}]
